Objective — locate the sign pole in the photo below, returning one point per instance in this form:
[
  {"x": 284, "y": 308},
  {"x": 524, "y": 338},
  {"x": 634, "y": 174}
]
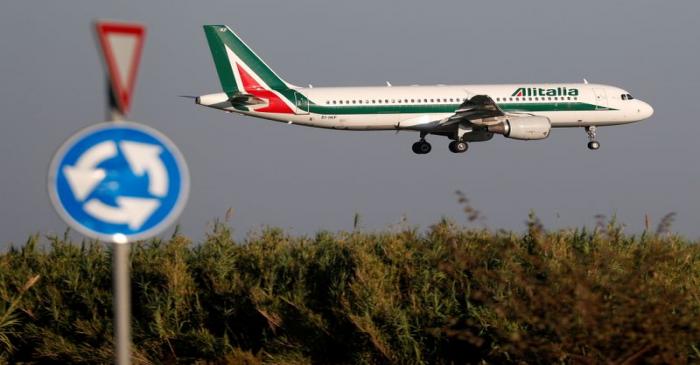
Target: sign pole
[
  {"x": 113, "y": 112},
  {"x": 121, "y": 270},
  {"x": 122, "y": 302}
]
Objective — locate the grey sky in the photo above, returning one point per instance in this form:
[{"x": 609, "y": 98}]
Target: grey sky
[{"x": 51, "y": 85}]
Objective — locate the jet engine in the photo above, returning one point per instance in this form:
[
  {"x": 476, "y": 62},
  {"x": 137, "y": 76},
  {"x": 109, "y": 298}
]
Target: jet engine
[{"x": 523, "y": 128}]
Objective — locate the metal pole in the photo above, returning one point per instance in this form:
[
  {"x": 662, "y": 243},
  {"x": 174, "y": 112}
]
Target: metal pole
[
  {"x": 113, "y": 112},
  {"x": 121, "y": 276},
  {"x": 122, "y": 303}
]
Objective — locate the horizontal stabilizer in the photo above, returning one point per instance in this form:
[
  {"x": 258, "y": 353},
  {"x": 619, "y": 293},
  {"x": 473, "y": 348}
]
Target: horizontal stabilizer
[{"x": 245, "y": 99}]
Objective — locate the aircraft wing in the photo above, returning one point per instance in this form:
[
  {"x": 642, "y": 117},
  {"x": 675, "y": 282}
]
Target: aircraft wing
[{"x": 478, "y": 107}]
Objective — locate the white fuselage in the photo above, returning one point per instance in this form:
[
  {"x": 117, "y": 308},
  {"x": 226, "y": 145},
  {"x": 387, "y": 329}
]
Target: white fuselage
[{"x": 422, "y": 108}]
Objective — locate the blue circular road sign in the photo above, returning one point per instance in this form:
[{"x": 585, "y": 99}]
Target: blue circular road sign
[{"x": 118, "y": 182}]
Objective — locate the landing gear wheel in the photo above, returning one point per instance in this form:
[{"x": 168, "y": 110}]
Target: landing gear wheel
[
  {"x": 593, "y": 145},
  {"x": 415, "y": 148},
  {"x": 421, "y": 147},
  {"x": 458, "y": 147},
  {"x": 424, "y": 147}
]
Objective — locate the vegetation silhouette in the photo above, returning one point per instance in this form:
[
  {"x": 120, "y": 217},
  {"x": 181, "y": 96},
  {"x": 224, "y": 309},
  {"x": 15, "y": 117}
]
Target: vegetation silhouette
[{"x": 449, "y": 294}]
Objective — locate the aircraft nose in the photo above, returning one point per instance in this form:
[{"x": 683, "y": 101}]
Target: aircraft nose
[{"x": 646, "y": 110}]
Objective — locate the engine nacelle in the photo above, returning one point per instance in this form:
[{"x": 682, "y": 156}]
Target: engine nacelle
[
  {"x": 523, "y": 128},
  {"x": 477, "y": 136}
]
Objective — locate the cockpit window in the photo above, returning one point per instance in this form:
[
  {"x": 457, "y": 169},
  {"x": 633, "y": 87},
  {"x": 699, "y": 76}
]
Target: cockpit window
[
  {"x": 629, "y": 97},
  {"x": 624, "y": 96}
]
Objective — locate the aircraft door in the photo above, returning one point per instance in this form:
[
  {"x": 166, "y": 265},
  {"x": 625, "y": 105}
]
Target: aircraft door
[
  {"x": 302, "y": 104},
  {"x": 601, "y": 98}
]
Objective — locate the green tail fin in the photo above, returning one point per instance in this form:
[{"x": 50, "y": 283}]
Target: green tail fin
[{"x": 231, "y": 54}]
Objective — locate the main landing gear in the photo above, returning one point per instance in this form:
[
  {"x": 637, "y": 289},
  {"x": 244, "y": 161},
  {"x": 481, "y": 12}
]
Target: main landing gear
[
  {"x": 422, "y": 146},
  {"x": 592, "y": 144},
  {"x": 458, "y": 147}
]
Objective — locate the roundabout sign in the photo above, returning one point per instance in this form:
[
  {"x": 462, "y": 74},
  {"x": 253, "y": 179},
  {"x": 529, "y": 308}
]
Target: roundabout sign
[{"x": 119, "y": 182}]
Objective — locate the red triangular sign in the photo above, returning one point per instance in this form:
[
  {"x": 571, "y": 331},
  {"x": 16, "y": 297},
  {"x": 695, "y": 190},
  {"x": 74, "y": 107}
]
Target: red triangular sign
[{"x": 121, "y": 45}]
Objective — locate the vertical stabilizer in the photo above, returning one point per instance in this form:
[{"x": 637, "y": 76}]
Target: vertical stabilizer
[{"x": 239, "y": 68}]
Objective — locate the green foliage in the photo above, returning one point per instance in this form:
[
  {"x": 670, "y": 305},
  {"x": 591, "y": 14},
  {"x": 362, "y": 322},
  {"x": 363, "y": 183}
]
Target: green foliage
[{"x": 448, "y": 295}]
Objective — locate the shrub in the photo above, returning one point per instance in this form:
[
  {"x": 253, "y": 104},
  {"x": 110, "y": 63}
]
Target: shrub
[{"x": 448, "y": 295}]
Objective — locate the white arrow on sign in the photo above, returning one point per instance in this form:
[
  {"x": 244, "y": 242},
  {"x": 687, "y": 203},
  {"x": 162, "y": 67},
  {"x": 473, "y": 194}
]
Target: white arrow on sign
[
  {"x": 131, "y": 211},
  {"x": 145, "y": 158},
  {"x": 84, "y": 176}
]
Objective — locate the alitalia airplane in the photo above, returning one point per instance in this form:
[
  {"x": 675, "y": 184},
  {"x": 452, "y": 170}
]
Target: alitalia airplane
[{"x": 462, "y": 113}]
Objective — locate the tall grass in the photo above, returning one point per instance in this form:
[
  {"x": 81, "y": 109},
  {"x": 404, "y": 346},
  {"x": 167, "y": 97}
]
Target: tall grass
[{"x": 448, "y": 294}]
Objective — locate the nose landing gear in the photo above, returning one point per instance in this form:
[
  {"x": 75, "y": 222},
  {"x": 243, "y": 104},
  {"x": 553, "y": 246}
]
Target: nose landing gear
[{"x": 592, "y": 144}]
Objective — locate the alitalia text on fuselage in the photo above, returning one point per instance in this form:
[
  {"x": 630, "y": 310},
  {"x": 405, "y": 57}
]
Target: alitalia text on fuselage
[{"x": 534, "y": 91}]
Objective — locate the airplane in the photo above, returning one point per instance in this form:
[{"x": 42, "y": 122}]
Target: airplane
[{"x": 462, "y": 113}]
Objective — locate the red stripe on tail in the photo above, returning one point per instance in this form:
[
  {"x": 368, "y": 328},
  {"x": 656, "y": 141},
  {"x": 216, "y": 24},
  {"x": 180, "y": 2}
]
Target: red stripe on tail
[{"x": 275, "y": 104}]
